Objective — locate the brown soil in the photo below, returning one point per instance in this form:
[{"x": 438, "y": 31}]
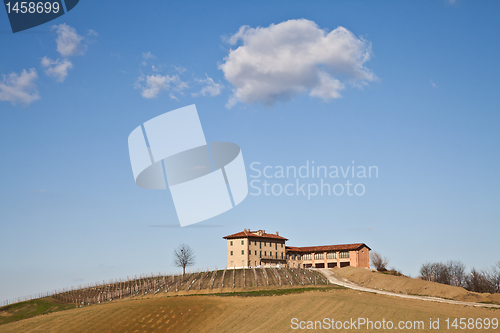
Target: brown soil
[{"x": 241, "y": 314}]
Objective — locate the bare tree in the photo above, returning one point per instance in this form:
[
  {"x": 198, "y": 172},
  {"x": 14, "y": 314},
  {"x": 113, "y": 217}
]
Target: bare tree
[
  {"x": 457, "y": 273},
  {"x": 183, "y": 257},
  {"x": 480, "y": 282},
  {"x": 378, "y": 262},
  {"x": 454, "y": 273}
]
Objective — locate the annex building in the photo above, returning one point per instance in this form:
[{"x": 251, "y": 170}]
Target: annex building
[{"x": 258, "y": 248}]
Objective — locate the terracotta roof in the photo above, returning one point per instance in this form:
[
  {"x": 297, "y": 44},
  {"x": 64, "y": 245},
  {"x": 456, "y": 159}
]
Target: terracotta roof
[
  {"x": 326, "y": 248},
  {"x": 255, "y": 234}
]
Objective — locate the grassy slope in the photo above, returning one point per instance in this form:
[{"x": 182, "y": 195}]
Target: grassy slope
[
  {"x": 240, "y": 314},
  {"x": 23, "y": 310},
  {"x": 406, "y": 285}
]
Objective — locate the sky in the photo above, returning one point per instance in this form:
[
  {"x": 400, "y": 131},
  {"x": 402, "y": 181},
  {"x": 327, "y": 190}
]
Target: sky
[{"x": 407, "y": 87}]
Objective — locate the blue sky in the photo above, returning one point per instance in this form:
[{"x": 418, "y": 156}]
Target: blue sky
[{"x": 423, "y": 108}]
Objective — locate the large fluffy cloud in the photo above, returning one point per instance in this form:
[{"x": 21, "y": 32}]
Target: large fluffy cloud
[
  {"x": 20, "y": 88},
  {"x": 58, "y": 69},
  {"x": 293, "y": 57}
]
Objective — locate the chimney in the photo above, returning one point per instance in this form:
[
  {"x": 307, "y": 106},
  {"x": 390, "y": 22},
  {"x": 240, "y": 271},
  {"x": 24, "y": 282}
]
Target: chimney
[{"x": 277, "y": 234}]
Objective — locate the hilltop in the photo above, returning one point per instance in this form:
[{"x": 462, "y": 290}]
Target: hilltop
[{"x": 200, "y": 303}]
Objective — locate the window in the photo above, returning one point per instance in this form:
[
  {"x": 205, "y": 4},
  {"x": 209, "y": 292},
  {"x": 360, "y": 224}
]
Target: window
[
  {"x": 319, "y": 256},
  {"x": 231, "y": 252},
  {"x": 293, "y": 256},
  {"x": 298, "y": 258},
  {"x": 260, "y": 245},
  {"x": 264, "y": 243},
  {"x": 344, "y": 254},
  {"x": 242, "y": 242},
  {"x": 281, "y": 255},
  {"x": 255, "y": 252},
  {"x": 282, "y": 245},
  {"x": 275, "y": 246},
  {"x": 265, "y": 253},
  {"x": 271, "y": 253},
  {"x": 307, "y": 256},
  {"x": 331, "y": 255},
  {"x": 242, "y": 252},
  {"x": 260, "y": 254},
  {"x": 255, "y": 243},
  {"x": 231, "y": 243},
  {"x": 288, "y": 256}
]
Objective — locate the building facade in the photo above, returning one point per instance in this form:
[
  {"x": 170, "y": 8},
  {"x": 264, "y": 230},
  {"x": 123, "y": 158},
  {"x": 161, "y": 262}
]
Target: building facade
[
  {"x": 255, "y": 248},
  {"x": 258, "y": 248}
]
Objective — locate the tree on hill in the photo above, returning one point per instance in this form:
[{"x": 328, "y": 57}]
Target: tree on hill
[
  {"x": 183, "y": 257},
  {"x": 380, "y": 263},
  {"x": 454, "y": 273}
]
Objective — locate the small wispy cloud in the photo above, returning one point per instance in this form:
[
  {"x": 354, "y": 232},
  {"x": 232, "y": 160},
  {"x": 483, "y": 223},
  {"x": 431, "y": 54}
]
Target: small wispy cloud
[
  {"x": 69, "y": 43},
  {"x": 210, "y": 87},
  {"x": 180, "y": 69},
  {"x": 19, "y": 88},
  {"x": 201, "y": 226},
  {"x": 361, "y": 229},
  {"x": 57, "y": 69},
  {"x": 148, "y": 55},
  {"x": 433, "y": 85},
  {"x": 152, "y": 80},
  {"x": 152, "y": 85}
]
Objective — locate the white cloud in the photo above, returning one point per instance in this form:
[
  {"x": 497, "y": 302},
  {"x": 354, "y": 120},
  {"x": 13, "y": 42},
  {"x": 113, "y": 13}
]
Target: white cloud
[
  {"x": 433, "y": 84},
  {"x": 180, "y": 69},
  {"x": 327, "y": 87},
  {"x": 283, "y": 60},
  {"x": 69, "y": 43},
  {"x": 211, "y": 88},
  {"x": 21, "y": 88},
  {"x": 148, "y": 55},
  {"x": 58, "y": 69},
  {"x": 152, "y": 85}
]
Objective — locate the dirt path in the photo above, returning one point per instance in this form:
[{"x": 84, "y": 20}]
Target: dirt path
[{"x": 345, "y": 283}]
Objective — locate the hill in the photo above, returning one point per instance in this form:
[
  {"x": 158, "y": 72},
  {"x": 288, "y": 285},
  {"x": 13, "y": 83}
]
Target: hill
[
  {"x": 209, "y": 313},
  {"x": 410, "y": 286},
  {"x": 217, "y": 281},
  {"x": 244, "y": 302}
]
